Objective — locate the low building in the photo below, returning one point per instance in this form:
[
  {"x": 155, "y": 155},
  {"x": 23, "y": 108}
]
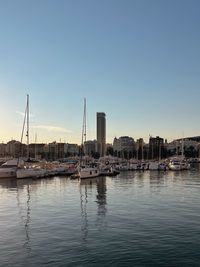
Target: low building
[
  {"x": 71, "y": 150},
  {"x": 123, "y": 146},
  {"x": 16, "y": 149},
  {"x": 37, "y": 151},
  {"x": 2, "y": 150},
  {"x": 90, "y": 147}
]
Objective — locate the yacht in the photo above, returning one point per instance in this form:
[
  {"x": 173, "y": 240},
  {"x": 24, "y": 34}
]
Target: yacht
[
  {"x": 174, "y": 165},
  {"x": 177, "y": 164},
  {"x": 156, "y": 165},
  {"x": 88, "y": 172},
  {"x": 185, "y": 165},
  {"x": 9, "y": 168},
  {"x": 107, "y": 170},
  {"x": 30, "y": 172}
]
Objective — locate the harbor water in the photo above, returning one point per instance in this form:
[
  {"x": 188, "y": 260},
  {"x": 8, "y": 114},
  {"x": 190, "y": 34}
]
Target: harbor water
[{"x": 134, "y": 219}]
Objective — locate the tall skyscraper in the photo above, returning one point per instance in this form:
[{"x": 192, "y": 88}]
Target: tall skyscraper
[{"x": 101, "y": 133}]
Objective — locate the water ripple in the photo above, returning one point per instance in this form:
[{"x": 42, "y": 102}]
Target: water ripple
[{"x": 133, "y": 219}]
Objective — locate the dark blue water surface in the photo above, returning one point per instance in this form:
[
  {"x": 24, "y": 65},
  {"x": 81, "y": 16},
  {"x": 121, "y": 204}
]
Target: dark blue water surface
[{"x": 133, "y": 219}]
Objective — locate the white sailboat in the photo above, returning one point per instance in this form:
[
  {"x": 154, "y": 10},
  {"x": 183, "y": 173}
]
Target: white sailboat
[
  {"x": 85, "y": 170},
  {"x": 9, "y": 168},
  {"x": 29, "y": 171}
]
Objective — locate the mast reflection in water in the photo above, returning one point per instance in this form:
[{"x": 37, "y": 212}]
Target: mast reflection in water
[
  {"x": 87, "y": 186},
  {"x": 24, "y": 209},
  {"x": 133, "y": 219}
]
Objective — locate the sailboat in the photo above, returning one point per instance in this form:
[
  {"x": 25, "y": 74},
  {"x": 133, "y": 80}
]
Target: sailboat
[
  {"x": 86, "y": 170},
  {"x": 27, "y": 171},
  {"x": 9, "y": 168}
]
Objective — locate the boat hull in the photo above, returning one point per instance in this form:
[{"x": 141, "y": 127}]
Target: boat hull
[
  {"x": 30, "y": 173},
  {"x": 86, "y": 173},
  {"x": 8, "y": 173}
]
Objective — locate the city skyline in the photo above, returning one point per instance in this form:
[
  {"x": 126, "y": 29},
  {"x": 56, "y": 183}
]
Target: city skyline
[{"x": 137, "y": 61}]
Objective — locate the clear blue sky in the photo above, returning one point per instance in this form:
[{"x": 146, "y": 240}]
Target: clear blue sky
[{"x": 136, "y": 60}]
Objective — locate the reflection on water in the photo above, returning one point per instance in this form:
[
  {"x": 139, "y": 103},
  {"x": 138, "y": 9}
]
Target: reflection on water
[
  {"x": 98, "y": 184},
  {"x": 134, "y": 219},
  {"x": 101, "y": 196},
  {"x": 83, "y": 205},
  {"x": 25, "y": 208},
  {"x": 27, "y": 219},
  {"x": 8, "y": 183},
  {"x": 101, "y": 221}
]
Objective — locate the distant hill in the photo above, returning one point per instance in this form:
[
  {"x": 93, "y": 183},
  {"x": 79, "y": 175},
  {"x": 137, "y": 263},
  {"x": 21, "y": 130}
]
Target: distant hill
[{"x": 194, "y": 138}]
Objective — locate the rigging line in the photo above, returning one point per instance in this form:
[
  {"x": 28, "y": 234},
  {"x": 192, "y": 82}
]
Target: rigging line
[
  {"x": 22, "y": 134},
  {"x": 27, "y": 132},
  {"x": 84, "y": 124},
  {"x": 83, "y": 138}
]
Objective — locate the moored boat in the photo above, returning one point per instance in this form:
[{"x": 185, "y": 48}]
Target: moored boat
[
  {"x": 85, "y": 169},
  {"x": 9, "y": 168},
  {"x": 108, "y": 171},
  {"x": 88, "y": 172},
  {"x": 30, "y": 172},
  {"x": 178, "y": 164}
]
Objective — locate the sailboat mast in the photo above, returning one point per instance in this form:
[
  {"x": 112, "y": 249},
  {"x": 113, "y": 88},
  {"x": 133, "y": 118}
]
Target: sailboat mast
[
  {"x": 35, "y": 145},
  {"x": 142, "y": 150},
  {"x": 159, "y": 158},
  {"x": 182, "y": 147},
  {"x": 84, "y": 120},
  {"x": 27, "y": 132},
  {"x": 84, "y": 125}
]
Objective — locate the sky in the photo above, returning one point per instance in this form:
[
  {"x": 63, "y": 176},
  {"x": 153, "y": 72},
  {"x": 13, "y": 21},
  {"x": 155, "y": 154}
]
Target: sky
[{"x": 136, "y": 60}]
